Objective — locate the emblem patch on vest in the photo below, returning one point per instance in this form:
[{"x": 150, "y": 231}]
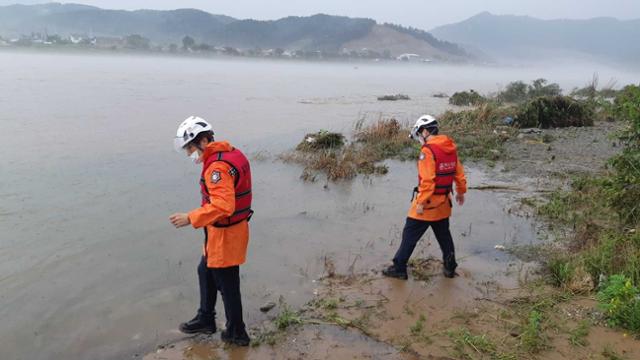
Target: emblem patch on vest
[
  {"x": 215, "y": 177},
  {"x": 421, "y": 156}
]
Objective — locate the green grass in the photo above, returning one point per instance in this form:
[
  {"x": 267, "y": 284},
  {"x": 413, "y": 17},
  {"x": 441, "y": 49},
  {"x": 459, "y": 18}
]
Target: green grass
[
  {"x": 468, "y": 345},
  {"x": 287, "y": 318},
  {"x": 417, "y": 328},
  {"x": 610, "y": 354},
  {"x": 533, "y": 338},
  {"x": 578, "y": 335},
  {"x": 561, "y": 271}
]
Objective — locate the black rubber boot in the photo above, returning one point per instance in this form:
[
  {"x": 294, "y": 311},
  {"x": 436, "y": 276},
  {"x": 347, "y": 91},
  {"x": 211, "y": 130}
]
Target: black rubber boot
[
  {"x": 197, "y": 325},
  {"x": 240, "y": 339},
  {"x": 391, "y": 271},
  {"x": 449, "y": 266}
]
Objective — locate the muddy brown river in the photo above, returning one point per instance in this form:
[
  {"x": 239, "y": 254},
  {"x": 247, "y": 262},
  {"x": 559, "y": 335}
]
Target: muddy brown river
[{"x": 90, "y": 268}]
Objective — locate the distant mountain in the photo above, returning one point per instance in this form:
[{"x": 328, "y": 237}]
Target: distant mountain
[
  {"x": 520, "y": 37},
  {"x": 64, "y": 19},
  {"x": 318, "y": 32}
]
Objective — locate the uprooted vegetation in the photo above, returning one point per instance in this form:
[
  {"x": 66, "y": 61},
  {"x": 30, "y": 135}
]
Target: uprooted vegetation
[{"x": 328, "y": 153}]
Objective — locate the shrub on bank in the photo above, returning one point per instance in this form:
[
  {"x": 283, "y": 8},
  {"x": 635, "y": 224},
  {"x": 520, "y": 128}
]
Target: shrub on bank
[
  {"x": 518, "y": 91},
  {"x": 554, "y": 112},
  {"x": 467, "y": 98},
  {"x": 621, "y": 301}
]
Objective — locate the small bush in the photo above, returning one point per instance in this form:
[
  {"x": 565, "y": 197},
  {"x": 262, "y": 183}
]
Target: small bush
[
  {"x": 467, "y": 98},
  {"x": 518, "y": 91},
  {"x": 553, "y": 112},
  {"x": 621, "y": 301},
  {"x": 321, "y": 140}
]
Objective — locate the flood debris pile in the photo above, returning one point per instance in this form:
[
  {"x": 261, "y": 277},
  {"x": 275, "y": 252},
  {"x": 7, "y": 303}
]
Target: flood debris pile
[
  {"x": 598, "y": 222},
  {"x": 322, "y": 140},
  {"x": 329, "y": 154},
  {"x": 467, "y": 98},
  {"x": 395, "y": 97}
]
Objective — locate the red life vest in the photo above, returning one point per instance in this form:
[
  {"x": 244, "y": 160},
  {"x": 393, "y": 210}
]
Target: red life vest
[
  {"x": 445, "y": 169},
  {"x": 241, "y": 173}
]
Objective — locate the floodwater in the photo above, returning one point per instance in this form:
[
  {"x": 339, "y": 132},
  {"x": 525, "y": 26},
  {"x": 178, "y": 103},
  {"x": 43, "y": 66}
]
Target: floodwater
[{"x": 90, "y": 267}]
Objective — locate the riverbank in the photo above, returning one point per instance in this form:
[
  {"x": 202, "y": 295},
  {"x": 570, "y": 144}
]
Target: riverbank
[{"x": 502, "y": 312}]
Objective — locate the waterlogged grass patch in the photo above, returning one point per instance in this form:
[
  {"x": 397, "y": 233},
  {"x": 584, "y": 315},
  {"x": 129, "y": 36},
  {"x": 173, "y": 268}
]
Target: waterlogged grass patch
[
  {"x": 287, "y": 318},
  {"x": 468, "y": 345}
]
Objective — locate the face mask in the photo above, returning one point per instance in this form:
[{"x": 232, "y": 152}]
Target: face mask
[{"x": 195, "y": 157}]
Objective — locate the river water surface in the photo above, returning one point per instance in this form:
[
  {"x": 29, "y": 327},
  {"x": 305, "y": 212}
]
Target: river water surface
[{"x": 90, "y": 267}]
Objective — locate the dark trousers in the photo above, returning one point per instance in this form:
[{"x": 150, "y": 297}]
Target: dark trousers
[
  {"x": 227, "y": 281},
  {"x": 411, "y": 234}
]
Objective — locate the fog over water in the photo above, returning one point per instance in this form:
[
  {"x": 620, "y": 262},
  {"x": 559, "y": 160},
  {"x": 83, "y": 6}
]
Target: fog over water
[{"x": 90, "y": 266}]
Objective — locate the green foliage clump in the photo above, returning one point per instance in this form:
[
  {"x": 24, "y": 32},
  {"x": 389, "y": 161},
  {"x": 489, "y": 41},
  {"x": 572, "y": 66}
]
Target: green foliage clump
[
  {"x": 518, "y": 91},
  {"x": 621, "y": 301},
  {"x": 321, "y": 140},
  {"x": 561, "y": 270},
  {"x": 625, "y": 184},
  {"x": 467, "y": 98},
  {"x": 555, "y": 111}
]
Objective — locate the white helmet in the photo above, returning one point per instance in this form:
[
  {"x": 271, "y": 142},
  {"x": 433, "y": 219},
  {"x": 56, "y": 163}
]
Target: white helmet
[
  {"x": 427, "y": 121},
  {"x": 188, "y": 130}
]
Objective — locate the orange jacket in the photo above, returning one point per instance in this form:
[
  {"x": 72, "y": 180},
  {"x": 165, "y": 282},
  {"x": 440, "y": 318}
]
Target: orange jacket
[
  {"x": 226, "y": 246},
  {"x": 436, "y": 207}
]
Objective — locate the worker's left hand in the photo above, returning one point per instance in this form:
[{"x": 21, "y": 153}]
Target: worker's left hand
[
  {"x": 419, "y": 209},
  {"x": 180, "y": 220}
]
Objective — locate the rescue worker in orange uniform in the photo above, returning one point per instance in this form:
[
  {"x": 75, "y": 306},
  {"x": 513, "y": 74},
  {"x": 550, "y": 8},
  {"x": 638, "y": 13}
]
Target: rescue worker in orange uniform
[
  {"x": 438, "y": 169},
  {"x": 224, "y": 214}
]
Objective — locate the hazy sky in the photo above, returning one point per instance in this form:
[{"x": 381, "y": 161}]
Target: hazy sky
[{"x": 424, "y": 14}]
